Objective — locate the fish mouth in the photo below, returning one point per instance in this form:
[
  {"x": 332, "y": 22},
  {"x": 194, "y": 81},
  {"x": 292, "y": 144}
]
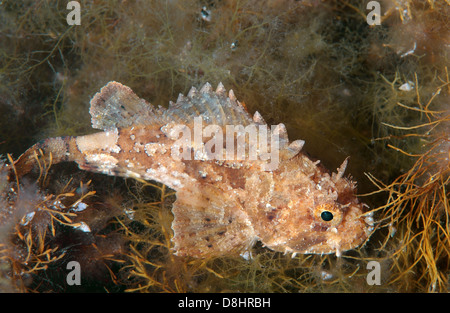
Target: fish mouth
[
  {"x": 335, "y": 240},
  {"x": 331, "y": 246},
  {"x": 360, "y": 237}
]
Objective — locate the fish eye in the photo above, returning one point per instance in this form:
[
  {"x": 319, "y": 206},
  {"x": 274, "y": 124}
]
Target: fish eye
[{"x": 326, "y": 216}]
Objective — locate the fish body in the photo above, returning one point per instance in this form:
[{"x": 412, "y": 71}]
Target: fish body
[{"x": 237, "y": 181}]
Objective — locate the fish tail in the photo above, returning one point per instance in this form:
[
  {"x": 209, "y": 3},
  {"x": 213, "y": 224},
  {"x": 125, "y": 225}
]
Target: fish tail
[{"x": 45, "y": 152}]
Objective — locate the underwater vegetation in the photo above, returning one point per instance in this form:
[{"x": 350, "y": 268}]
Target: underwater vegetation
[
  {"x": 418, "y": 203},
  {"x": 379, "y": 94},
  {"x": 43, "y": 227}
]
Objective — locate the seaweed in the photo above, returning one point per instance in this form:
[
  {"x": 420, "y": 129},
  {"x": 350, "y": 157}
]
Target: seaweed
[
  {"x": 417, "y": 211},
  {"x": 45, "y": 225}
]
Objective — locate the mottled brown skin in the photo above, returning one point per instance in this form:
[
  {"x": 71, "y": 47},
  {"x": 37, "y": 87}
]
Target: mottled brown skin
[
  {"x": 283, "y": 208},
  {"x": 222, "y": 207}
]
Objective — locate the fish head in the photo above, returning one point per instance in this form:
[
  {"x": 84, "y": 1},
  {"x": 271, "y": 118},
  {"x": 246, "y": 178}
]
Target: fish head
[
  {"x": 318, "y": 216},
  {"x": 333, "y": 228},
  {"x": 333, "y": 222}
]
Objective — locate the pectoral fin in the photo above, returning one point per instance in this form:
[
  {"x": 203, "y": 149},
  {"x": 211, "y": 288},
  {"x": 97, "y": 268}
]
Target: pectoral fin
[{"x": 206, "y": 223}]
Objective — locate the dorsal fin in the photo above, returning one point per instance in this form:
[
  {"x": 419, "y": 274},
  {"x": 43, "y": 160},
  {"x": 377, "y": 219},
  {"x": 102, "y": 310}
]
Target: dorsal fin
[
  {"x": 258, "y": 119},
  {"x": 117, "y": 106},
  {"x": 214, "y": 106}
]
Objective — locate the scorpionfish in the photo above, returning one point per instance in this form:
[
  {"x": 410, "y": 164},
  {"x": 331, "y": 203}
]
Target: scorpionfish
[{"x": 226, "y": 199}]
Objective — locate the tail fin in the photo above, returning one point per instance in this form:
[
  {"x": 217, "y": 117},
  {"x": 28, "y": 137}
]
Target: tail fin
[{"x": 55, "y": 149}]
